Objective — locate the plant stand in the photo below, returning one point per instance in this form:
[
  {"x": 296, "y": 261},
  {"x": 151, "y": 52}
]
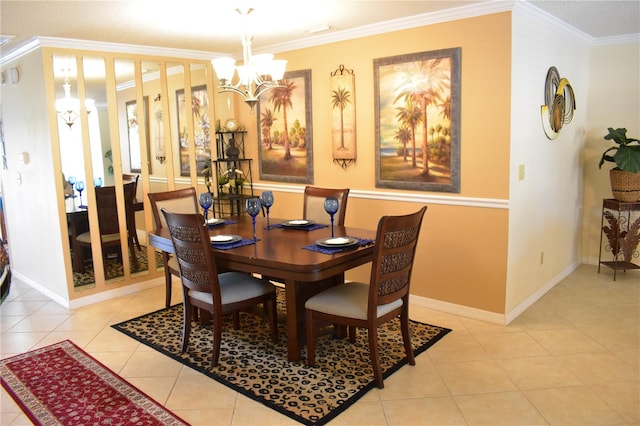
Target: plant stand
[{"x": 622, "y": 230}]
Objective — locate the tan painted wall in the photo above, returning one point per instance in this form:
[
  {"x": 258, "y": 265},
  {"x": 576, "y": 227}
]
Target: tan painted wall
[
  {"x": 613, "y": 102},
  {"x": 463, "y": 250}
]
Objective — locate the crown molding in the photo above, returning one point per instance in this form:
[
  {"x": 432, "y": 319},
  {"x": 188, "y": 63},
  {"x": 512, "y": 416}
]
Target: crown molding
[
  {"x": 621, "y": 39},
  {"x": 453, "y": 14},
  {"x": 521, "y": 7},
  {"x": 66, "y": 43},
  {"x": 526, "y": 9}
]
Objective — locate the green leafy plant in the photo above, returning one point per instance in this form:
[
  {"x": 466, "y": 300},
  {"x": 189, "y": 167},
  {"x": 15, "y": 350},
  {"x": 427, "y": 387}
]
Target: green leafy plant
[{"x": 626, "y": 155}]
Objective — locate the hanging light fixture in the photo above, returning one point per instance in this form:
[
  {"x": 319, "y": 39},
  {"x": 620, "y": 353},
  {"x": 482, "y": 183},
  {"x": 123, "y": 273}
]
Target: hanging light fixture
[
  {"x": 68, "y": 108},
  {"x": 256, "y": 75}
]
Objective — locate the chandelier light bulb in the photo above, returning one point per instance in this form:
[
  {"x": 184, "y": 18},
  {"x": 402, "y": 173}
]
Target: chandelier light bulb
[{"x": 256, "y": 75}]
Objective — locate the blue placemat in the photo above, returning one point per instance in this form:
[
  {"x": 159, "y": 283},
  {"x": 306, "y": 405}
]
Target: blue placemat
[
  {"x": 226, "y": 222},
  {"x": 301, "y": 228},
  {"x": 331, "y": 250},
  {"x": 234, "y": 244}
]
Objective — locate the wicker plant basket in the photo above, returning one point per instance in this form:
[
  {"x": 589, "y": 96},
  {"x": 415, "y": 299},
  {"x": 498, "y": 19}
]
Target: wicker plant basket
[{"x": 625, "y": 186}]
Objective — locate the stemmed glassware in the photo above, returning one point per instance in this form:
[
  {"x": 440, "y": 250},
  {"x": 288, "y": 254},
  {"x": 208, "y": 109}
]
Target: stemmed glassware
[
  {"x": 253, "y": 208},
  {"x": 267, "y": 201},
  {"x": 331, "y": 205},
  {"x": 80, "y": 188},
  {"x": 206, "y": 200},
  {"x": 72, "y": 182},
  {"x": 97, "y": 182}
]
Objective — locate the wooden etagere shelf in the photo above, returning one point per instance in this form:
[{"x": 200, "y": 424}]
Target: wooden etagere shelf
[
  {"x": 618, "y": 224},
  {"x": 231, "y": 174}
]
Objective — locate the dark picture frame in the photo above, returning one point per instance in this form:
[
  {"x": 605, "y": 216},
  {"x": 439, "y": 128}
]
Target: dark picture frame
[
  {"x": 285, "y": 136},
  {"x": 417, "y": 103},
  {"x": 201, "y": 129},
  {"x": 133, "y": 125}
]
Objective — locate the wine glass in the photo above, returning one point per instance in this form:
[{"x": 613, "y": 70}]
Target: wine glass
[
  {"x": 97, "y": 182},
  {"x": 253, "y": 208},
  {"x": 331, "y": 205},
  {"x": 267, "y": 201},
  {"x": 72, "y": 182},
  {"x": 80, "y": 188},
  {"x": 206, "y": 200}
]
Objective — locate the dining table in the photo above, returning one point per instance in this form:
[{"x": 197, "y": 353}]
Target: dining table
[{"x": 287, "y": 254}]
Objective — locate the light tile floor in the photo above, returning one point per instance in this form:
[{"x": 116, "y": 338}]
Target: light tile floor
[{"x": 572, "y": 358}]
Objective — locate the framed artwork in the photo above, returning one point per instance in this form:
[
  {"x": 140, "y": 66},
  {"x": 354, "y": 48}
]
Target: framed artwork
[
  {"x": 199, "y": 107},
  {"x": 417, "y": 118},
  {"x": 285, "y": 136},
  {"x": 133, "y": 131},
  {"x": 343, "y": 114}
]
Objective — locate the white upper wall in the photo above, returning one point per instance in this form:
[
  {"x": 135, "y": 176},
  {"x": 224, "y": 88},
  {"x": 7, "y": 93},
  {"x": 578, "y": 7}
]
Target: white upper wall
[
  {"x": 31, "y": 204},
  {"x": 545, "y": 207}
]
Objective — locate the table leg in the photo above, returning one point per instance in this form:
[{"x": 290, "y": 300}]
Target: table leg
[{"x": 296, "y": 294}]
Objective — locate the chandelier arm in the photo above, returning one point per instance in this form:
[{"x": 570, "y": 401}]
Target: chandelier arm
[{"x": 234, "y": 89}]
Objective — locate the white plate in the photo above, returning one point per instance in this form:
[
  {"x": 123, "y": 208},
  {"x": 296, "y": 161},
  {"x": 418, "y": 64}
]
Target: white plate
[
  {"x": 214, "y": 221},
  {"x": 224, "y": 239},
  {"x": 297, "y": 223},
  {"x": 337, "y": 242}
]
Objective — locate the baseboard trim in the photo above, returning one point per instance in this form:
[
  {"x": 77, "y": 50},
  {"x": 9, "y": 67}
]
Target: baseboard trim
[
  {"x": 452, "y": 308},
  {"x": 93, "y": 298},
  {"x": 492, "y": 317},
  {"x": 537, "y": 295}
]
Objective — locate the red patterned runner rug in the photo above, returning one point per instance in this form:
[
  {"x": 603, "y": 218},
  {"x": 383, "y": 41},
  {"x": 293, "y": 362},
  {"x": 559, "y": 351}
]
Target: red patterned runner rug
[{"x": 62, "y": 384}]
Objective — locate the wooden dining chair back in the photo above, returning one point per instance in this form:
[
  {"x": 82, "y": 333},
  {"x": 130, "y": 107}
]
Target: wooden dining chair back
[
  {"x": 131, "y": 178},
  {"x": 109, "y": 225},
  {"x": 313, "y": 208},
  {"x": 175, "y": 201},
  {"x": 385, "y": 297},
  {"x": 128, "y": 178},
  {"x": 204, "y": 288}
]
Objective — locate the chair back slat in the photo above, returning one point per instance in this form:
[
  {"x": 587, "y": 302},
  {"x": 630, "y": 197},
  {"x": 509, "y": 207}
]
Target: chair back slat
[
  {"x": 193, "y": 251},
  {"x": 396, "y": 241},
  {"x": 107, "y": 209}
]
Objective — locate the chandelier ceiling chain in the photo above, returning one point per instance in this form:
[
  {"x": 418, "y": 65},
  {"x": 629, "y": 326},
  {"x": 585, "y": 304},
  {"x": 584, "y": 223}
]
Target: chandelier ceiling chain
[{"x": 256, "y": 75}]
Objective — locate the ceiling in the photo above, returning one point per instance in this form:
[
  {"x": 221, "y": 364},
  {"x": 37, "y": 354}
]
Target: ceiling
[{"x": 215, "y": 26}]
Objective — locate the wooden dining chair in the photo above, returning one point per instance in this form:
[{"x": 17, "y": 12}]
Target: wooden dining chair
[
  {"x": 109, "y": 225},
  {"x": 313, "y": 207},
  {"x": 384, "y": 298},
  {"x": 129, "y": 178},
  {"x": 176, "y": 201},
  {"x": 204, "y": 288}
]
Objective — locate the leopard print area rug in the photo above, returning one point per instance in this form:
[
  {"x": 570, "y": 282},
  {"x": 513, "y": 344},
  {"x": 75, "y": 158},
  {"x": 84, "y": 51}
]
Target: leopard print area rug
[{"x": 252, "y": 365}]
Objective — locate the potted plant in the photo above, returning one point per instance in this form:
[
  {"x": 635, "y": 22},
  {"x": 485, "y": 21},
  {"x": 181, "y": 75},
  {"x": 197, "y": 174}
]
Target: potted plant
[{"x": 625, "y": 177}]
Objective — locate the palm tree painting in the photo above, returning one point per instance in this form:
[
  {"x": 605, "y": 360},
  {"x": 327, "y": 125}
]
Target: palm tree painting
[
  {"x": 418, "y": 121},
  {"x": 199, "y": 107},
  {"x": 284, "y": 120},
  {"x": 343, "y": 131}
]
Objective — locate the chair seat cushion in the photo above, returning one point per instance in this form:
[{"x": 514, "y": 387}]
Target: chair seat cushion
[
  {"x": 172, "y": 263},
  {"x": 85, "y": 237},
  {"x": 348, "y": 300},
  {"x": 236, "y": 287}
]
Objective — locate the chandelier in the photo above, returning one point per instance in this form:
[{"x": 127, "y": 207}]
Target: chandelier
[
  {"x": 258, "y": 73},
  {"x": 68, "y": 108}
]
